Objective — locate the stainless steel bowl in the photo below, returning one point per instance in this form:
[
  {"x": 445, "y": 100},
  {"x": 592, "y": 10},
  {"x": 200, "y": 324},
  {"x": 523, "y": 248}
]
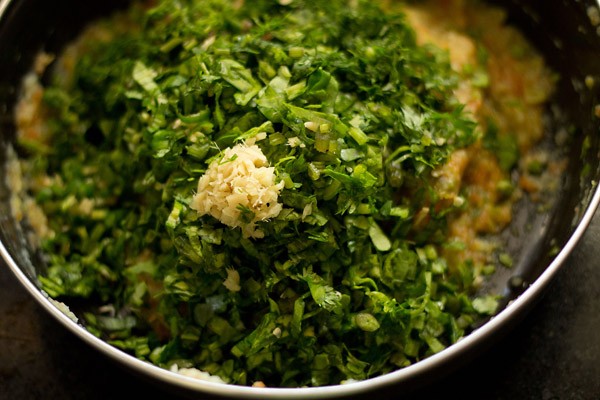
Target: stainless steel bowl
[{"x": 565, "y": 31}]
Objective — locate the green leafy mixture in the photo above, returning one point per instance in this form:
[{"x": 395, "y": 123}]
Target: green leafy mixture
[{"x": 342, "y": 286}]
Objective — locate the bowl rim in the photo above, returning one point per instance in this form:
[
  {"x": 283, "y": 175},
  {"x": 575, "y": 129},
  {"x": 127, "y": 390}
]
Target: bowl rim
[
  {"x": 478, "y": 336},
  {"x": 499, "y": 321}
]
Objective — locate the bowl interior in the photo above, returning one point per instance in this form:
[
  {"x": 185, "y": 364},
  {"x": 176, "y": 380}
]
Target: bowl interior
[{"x": 567, "y": 35}]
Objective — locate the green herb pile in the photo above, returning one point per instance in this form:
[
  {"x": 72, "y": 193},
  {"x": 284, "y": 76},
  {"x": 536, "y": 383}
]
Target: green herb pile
[{"x": 342, "y": 286}]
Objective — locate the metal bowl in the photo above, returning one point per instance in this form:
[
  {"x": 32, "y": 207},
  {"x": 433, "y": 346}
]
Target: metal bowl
[{"x": 567, "y": 32}]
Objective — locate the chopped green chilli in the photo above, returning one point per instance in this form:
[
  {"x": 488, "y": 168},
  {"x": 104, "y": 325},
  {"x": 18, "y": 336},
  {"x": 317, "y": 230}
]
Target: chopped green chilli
[{"x": 281, "y": 193}]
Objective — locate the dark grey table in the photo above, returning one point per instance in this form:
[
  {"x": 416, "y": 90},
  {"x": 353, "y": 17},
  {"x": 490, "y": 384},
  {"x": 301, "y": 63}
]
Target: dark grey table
[{"x": 553, "y": 354}]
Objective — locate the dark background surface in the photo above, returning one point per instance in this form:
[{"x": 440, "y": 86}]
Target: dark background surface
[{"x": 554, "y": 353}]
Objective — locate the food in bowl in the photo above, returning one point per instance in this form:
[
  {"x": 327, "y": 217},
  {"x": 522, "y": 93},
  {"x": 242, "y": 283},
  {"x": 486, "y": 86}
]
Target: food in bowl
[{"x": 286, "y": 193}]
